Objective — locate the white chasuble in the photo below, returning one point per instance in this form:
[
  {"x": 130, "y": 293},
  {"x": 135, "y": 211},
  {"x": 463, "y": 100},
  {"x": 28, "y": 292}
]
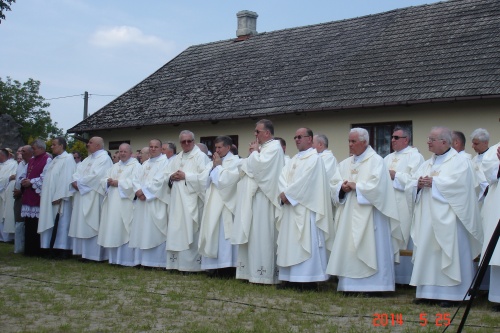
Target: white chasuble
[
  {"x": 7, "y": 169},
  {"x": 257, "y": 209},
  {"x": 330, "y": 163},
  {"x": 442, "y": 214},
  {"x": 186, "y": 207},
  {"x": 87, "y": 200},
  {"x": 57, "y": 177},
  {"x": 220, "y": 205},
  {"x": 118, "y": 205},
  {"x": 307, "y": 221},
  {"x": 149, "y": 224},
  {"x": 405, "y": 162},
  {"x": 354, "y": 253}
]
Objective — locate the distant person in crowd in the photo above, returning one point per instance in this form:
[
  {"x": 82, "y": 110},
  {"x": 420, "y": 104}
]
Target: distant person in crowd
[
  {"x": 458, "y": 143},
  {"x": 77, "y": 156},
  {"x": 320, "y": 143},
  {"x": 8, "y": 167}
]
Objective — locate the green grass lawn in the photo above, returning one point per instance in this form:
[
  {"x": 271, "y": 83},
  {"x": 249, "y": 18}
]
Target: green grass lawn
[{"x": 42, "y": 295}]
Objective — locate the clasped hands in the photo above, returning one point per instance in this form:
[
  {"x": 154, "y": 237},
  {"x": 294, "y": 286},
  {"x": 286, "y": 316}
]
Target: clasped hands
[
  {"x": 424, "y": 182},
  {"x": 178, "y": 175},
  {"x": 348, "y": 186}
]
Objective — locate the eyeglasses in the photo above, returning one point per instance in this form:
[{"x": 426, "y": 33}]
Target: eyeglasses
[
  {"x": 433, "y": 139},
  {"x": 299, "y": 137},
  {"x": 186, "y": 142},
  {"x": 258, "y": 131},
  {"x": 395, "y": 137}
]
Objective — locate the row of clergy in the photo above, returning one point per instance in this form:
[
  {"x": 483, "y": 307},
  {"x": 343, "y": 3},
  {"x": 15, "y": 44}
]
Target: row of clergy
[{"x": 300, "y": 220}]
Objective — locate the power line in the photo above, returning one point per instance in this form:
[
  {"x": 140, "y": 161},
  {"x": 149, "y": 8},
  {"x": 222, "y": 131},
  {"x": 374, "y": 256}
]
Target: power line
[{"x": 79, "y": 95}]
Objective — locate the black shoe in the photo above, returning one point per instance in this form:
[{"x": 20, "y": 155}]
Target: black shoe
[
  {"x": 447, "y": 304},
  {"x": 420, "y": 301}
]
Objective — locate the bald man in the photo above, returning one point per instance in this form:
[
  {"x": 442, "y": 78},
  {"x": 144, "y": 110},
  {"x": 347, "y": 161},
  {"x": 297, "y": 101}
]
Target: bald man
[
  {"x": 88, "y": 195},
  {"x": 118, "y": 208}
]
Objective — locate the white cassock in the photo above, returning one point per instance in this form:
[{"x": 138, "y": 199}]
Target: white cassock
[
  {"x": 490, "y": 215},
  {"x": 7, "y": 220},
  {"x": 405, "y": 162},
  {"x": 368, "y": 234},
  {"x": 330, "y": 163},
  {"x": 56, "y": 182},
  {"x": 149, "y": 226},
  {"x": 305, "y": 226},
  {"x": 257, "y": 209},
  {"x": 218, "y": 214},
  {"x": 117, "y": 212},
  {"x": 186, "y": 207},
  {"x": 446, "y": 231},
  {"x": 87, "y": 202},
  {"x": 480, "y": 180}
]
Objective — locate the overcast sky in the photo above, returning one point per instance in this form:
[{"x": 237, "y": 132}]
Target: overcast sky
[{"x": 106, "y": 47}]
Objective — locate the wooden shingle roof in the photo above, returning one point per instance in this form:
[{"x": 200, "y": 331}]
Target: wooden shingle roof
[{"x": 448, "y": 50}]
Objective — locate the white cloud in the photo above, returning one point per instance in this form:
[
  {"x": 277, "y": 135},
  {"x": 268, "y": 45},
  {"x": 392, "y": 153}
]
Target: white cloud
[{"x": 127, "y": 36}]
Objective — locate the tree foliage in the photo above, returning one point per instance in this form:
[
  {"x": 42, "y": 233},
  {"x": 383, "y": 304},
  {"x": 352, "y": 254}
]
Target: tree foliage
[
  {"x": 23, "y": 103},
  {"x": 4, "y": 7}
]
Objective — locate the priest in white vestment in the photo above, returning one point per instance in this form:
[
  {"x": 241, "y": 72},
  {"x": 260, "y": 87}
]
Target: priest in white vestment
[
  {"x": 218, "y": 212},
  {"x": 56, "y": 201},
  {"x": 118, "y": 208},
  {"x": 446, "y": 229},
  {"x": 305, "y": 225},
  {"x": 480, "y": 140},
  {"x": 88, "y": 195},
  {"x": 458, "y": 143},
  {"x": 368, "y": 234},
  {"x": 149, "y": 226},
  {"x": 185, "y": 182},
  {"x": 402, "y": 164},
  {"x": 320, "y": 143},
  {"x": 8, "y": 167},
  {"x": 257, "y": 208},
  {"x": 490, "y": 215}
]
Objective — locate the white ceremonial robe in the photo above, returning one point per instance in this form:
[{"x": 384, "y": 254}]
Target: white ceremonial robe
[
  {"x": 446, "y": 231},
  {"x": 257, "y": 209},
  {"x": 480, "y": 180},
  {"x": 405, "y": 162},
  {"x": 305, "y": 226},
  {"x": 218, "y": 214},
  {"x": 56, "y": 181},
  {"x": 7, "y": 220},
  {"x": 186, "y": 208},
  {"x": 368, "y": 234},
  {"x": 490, "y": 216},
  {"x": 87, "y": 201},
  {"x": 117, "y": 212},
  {"x": 148, "y": 233},
  {"x": 330, "y": 163}
]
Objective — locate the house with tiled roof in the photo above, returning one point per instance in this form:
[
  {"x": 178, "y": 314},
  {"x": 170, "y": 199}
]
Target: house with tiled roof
[{"x": 420, "y": 66}]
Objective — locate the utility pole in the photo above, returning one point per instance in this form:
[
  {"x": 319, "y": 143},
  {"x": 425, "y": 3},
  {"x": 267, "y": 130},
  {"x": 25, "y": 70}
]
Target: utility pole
[{"x": 85, "y": 105}]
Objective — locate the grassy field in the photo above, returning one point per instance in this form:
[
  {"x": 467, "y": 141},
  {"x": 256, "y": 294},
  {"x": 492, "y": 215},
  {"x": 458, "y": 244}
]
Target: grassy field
[{"x": 41, "y": 295}]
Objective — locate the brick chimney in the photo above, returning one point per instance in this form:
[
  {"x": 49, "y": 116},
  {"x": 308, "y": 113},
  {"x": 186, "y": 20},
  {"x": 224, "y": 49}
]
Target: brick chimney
[{"x": 247, "y": 24}]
